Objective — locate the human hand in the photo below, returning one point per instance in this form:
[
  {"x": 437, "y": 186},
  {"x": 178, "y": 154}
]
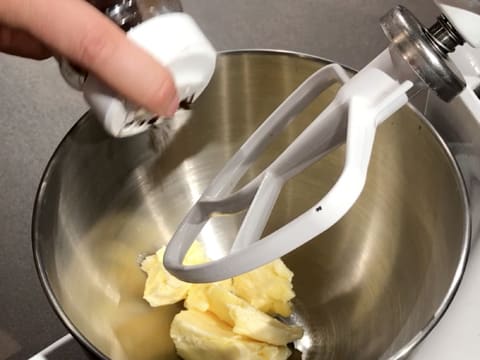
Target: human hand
[{"x": 78, "y": 31}]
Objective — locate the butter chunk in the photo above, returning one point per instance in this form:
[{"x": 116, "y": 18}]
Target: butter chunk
[
  {"x": 227, "y": 320},
  {"x": 268, "y": 288},
  {"x": 162, "y": 288},
  {"x": 197, "y": 298},
  {"x": 242, "y": 317},
  {"x": 201, "y": 336}
]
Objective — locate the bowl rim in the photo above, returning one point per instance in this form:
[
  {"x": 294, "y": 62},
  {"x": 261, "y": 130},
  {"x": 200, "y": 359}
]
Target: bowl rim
[{"x": 400, "y": 354}]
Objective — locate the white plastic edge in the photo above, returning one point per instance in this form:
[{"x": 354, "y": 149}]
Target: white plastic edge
[
  {"x": 465, "y": 21},
  {"x": 467, "y": 60},
  {"x": 42, "y": 355},
  {"x": 177, "y": 42}
]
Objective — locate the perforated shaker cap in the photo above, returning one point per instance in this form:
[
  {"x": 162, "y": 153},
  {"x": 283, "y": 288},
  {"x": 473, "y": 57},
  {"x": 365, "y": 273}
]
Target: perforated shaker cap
[{"x": 176, "y": 41}]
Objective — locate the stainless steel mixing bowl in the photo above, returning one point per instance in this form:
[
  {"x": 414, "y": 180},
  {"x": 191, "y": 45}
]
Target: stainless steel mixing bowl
[{"x": 370, "y": 288}]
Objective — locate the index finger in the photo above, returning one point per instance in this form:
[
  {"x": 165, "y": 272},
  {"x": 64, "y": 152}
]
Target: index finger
[{"x": 81, "y": 33}]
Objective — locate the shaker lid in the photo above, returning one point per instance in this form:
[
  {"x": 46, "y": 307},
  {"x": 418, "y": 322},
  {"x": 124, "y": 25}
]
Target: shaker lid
[{"x": 176, "y": 41}]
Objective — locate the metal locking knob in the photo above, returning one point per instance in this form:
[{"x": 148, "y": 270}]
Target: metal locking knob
[{"x": 425, "y": 50}]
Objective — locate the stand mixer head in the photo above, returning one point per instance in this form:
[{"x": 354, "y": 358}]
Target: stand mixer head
[{"x": 416, "y": 59}]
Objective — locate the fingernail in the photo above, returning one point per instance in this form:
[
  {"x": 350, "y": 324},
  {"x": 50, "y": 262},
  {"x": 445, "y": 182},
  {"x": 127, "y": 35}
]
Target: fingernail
[{"x": 173, "y": 107}]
